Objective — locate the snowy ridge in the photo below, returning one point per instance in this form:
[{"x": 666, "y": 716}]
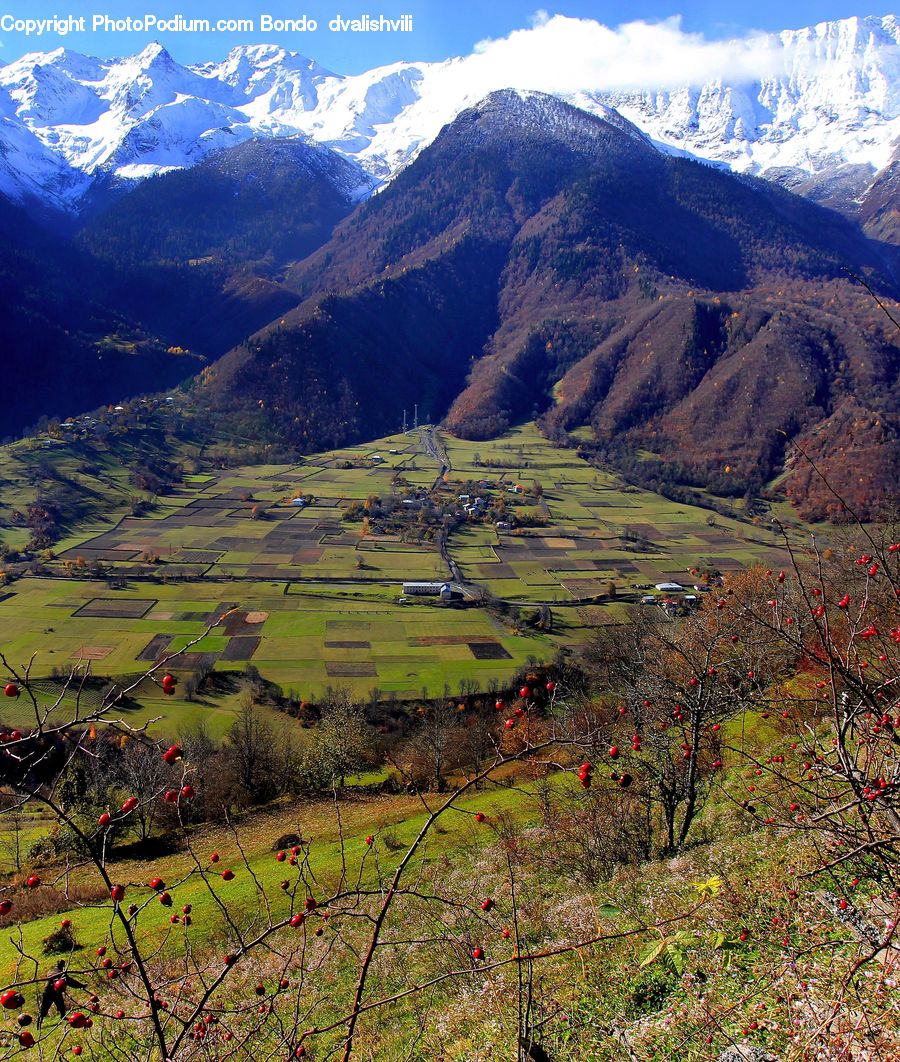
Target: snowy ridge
[
  {"x": 837, "y": 102},
  {"x": 829, "y": 110},
  {"x": 515, "y": 114}
]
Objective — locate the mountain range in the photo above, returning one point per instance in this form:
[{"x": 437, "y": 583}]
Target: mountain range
[
  {"x": 536, "y": 260},
  {"x": 318, "y": 253},
  {"x": 822, "y": 117}
]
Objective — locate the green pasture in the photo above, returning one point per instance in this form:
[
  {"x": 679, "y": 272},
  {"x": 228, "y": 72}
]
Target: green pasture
[
  {"x": 401, "y": 817},
  {"x": 308, "y": 641}
]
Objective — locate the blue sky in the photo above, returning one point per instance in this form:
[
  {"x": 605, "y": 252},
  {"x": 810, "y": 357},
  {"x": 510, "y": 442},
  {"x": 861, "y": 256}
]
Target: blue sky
[{"x": 440, "y": 29}]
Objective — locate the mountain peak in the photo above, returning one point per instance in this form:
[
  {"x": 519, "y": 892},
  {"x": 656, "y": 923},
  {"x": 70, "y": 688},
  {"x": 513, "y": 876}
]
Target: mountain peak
[
  {"x": 252, "y": 68},
  {"x": 152, "y": 55},
  {"x": 262, "y": 53},
  {"x": 512, "y": 114}
]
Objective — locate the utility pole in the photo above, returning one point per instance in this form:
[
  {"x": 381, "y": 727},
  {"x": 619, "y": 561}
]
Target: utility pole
[
  {"x": 416, "y": 417},
  {"x": 404, "y": 421}
]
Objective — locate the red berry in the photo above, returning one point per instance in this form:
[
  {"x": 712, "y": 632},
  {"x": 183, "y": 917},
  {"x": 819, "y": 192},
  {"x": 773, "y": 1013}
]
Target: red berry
[
  {"x": 227, "y": 875},
  {"x": 118, "y": 893},
  {"x": 11, "y": 689},
  {"x": 477, "y": 953},
  {"x": 32, "y": 881}
]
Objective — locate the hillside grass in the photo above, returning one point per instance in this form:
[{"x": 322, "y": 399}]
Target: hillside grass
[{"x": 704, "y": 990}]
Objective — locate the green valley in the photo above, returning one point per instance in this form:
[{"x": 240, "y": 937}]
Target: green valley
[{"x": 310, "y": 558}]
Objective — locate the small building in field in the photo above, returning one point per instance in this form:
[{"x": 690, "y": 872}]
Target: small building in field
[
  {"x": 442, "y": 590},
  {"x": 669, "y": 588}
]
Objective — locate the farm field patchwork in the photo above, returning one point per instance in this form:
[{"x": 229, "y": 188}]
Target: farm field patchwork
[
  {"x": 592, "y": 531},
  {"x": 312, "y": 597}
]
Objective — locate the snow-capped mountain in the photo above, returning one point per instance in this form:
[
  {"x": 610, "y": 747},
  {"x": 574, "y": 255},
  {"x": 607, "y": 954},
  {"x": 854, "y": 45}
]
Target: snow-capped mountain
[
  {"x": 823, "y": 115},
  {"x": 835, "y": 103}
]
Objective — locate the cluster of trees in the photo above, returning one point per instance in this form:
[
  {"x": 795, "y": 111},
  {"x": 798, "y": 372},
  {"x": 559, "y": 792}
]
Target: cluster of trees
[
  {"x": 256, "y": 763},
  {"x": 155, "y": 476}
]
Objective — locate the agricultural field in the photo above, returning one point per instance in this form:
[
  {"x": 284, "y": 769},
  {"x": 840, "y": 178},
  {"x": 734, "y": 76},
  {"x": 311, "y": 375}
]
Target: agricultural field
[
  {"x": 593, "y": 532},
  {"x": 311, "y": 596}
]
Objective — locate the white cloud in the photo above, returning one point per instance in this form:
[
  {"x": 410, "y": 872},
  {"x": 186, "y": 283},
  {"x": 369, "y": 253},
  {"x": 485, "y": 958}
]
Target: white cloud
[
  {"x": 562, "y": 54},
  {"x": 540, "y": 17}
]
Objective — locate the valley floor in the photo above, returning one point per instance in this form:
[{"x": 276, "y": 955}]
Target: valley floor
[{"x": 317, "y": 594}]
